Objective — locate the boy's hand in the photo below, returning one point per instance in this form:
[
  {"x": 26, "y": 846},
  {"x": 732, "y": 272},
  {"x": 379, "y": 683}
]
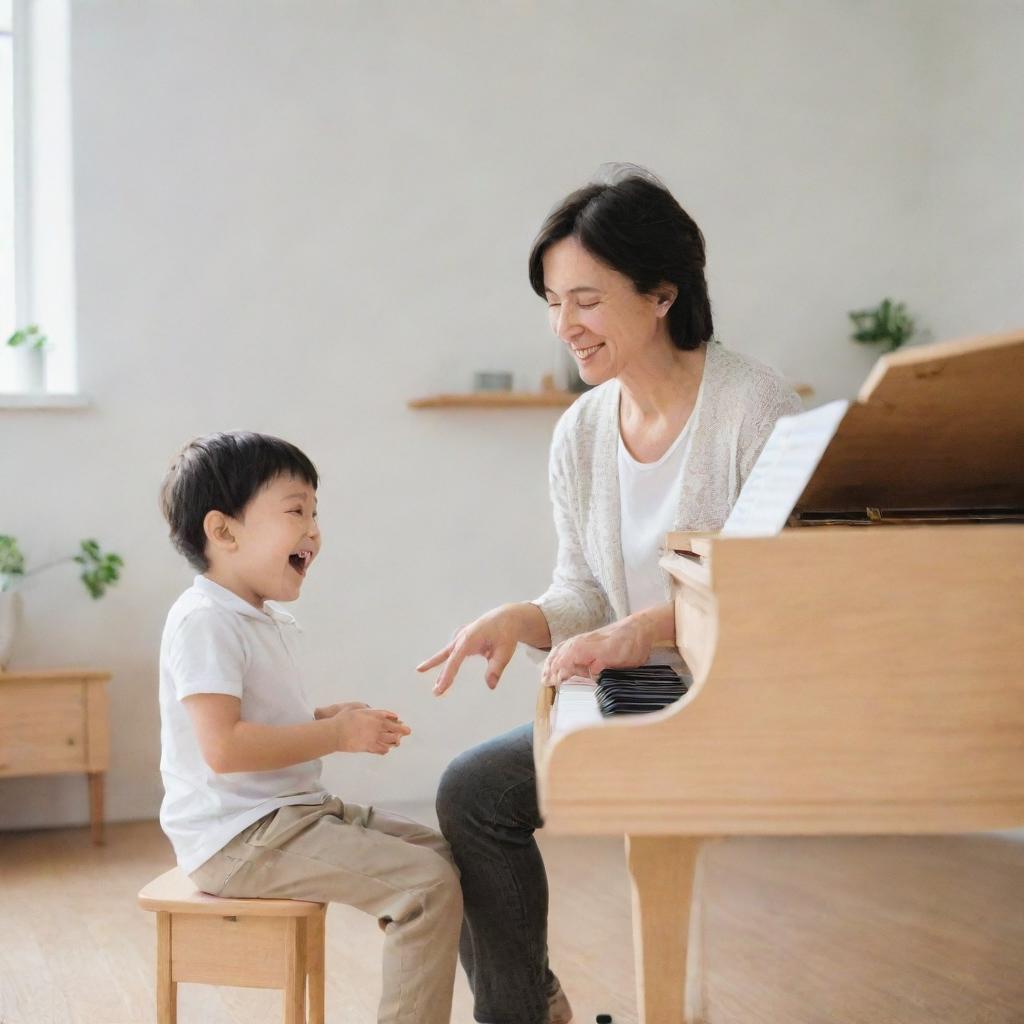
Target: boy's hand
[
  {"x": 368, "y": 730},
  {"x": 334, "y": 709}
]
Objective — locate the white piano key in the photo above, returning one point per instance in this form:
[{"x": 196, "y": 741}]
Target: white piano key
[{"x": 575, "y": 705}]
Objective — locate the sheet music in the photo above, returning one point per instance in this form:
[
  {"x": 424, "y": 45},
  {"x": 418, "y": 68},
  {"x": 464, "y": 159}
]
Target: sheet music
[
  {"x": 783, "y": 470},
  {"x": 575, "y": 705}
]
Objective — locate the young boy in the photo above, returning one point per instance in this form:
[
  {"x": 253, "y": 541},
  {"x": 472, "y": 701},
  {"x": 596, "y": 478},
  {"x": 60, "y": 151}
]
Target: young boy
[{"x": 244, "y": 807}]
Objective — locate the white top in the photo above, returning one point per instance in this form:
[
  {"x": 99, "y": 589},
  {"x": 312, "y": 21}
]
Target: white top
[
  {"x": 740, "y": 401},
  {"x": 215, "y": 642},
  {"x": 648, "y": 498}
]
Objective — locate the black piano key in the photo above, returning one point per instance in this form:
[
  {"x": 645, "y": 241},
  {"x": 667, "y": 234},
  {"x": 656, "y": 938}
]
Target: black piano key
[{"x": 638, "y": 690}]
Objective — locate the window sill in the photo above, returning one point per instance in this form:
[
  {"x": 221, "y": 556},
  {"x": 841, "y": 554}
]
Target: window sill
[{"x": 37, "y": 402}]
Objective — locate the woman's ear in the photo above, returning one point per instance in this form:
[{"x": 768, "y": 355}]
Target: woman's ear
[
  {"x": 217, "y": 528},
  {"x": 666, "y": 295}
]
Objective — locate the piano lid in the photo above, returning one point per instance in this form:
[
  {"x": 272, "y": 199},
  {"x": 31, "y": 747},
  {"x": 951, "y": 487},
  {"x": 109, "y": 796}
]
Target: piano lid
[{"x": 937, "y": 426}]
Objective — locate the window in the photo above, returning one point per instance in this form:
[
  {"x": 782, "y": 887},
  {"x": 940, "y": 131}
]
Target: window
[
  {"x": 7, "y": 285},
  {"x": 36, "y": 224}
]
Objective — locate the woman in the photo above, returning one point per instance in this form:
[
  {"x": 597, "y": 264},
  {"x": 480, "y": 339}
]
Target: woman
[{"x": 664, "y": 441}]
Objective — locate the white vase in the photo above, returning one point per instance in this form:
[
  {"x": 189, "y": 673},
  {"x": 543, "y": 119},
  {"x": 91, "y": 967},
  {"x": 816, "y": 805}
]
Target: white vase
[
  {"x": 29, "y": 370},
  {"x": 10, "y": 613}
]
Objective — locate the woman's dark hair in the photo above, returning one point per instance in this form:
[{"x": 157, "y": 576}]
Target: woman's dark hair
[
  {"x": 223, "y": 472},
  {"x": 635, "y": 226}
]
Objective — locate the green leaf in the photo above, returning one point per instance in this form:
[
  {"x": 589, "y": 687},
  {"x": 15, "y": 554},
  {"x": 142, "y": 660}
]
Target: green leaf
[
  {"x": 91, "y": 549},
  {"x": 12, "y": 561},
  {"x": 93, "y": 585},
  {"x": 102, "y": 570}
]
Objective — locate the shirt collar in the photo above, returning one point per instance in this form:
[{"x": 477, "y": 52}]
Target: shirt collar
[{"x": 229, "y": 599}]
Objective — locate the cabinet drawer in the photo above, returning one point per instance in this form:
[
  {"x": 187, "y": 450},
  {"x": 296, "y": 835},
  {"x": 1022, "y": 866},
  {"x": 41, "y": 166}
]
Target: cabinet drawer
[{"x": 42, "y": 728}]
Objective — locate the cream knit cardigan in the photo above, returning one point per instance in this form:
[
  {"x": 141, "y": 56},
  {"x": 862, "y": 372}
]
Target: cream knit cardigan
[{"x": 737, "y": 405}]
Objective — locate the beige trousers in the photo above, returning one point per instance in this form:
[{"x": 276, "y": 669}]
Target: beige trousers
[{"x": 381, "y": 863}]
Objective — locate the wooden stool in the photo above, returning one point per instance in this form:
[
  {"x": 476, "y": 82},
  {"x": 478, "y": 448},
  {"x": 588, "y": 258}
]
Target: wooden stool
[{"x": 248, "y": 943}]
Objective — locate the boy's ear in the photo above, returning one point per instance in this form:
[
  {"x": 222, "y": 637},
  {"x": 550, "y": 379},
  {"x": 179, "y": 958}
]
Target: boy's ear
[{"x": 217, "y": 528}]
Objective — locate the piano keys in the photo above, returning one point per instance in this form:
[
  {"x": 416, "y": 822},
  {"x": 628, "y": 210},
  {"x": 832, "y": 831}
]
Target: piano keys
[
  {"x": 858, "y": 673},
  {"x": 581, "y": 701}
]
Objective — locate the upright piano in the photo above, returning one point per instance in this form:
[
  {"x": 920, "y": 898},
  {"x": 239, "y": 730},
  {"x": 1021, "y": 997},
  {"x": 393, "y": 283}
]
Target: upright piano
[{"x": 860, "y": 672}]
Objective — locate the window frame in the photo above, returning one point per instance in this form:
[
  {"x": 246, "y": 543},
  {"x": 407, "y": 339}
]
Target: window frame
[{"x": 44, "y": 254}]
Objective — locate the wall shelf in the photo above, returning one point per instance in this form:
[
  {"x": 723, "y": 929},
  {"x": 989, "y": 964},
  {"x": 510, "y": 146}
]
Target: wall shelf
[
  {"x": 551, "y": 399},
  {"x": 497, "y": 400}
]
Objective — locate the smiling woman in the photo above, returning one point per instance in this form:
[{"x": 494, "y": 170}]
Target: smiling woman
[
  {"x": 663, "y": 441},
  {"x": 621, "y": 250}
]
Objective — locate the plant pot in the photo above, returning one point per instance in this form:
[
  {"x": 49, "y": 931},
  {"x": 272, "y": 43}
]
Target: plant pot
[
  {"x": 29, "y": 370},
  {"x": 10, "y": 615}
]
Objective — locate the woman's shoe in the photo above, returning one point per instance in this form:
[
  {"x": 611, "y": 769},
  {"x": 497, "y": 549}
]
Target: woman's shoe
[{"x": 559, "y": 1010}]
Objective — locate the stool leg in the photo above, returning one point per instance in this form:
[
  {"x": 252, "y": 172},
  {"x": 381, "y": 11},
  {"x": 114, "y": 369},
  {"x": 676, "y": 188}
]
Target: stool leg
[
  {"x": 295, "y": 971},
  {"x": 315, "y": 934},
  {"x": 166, "y": 989}
]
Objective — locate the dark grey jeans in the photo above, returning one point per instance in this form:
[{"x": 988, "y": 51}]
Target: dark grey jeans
[{"x": 487, "y": 809}]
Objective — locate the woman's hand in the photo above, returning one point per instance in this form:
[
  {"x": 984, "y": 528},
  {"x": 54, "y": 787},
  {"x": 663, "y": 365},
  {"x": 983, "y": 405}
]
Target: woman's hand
[
  {"x": 623, "y": 644},
  {"x": 361, "y": 729},
  {"x": 493, "y": 636}
]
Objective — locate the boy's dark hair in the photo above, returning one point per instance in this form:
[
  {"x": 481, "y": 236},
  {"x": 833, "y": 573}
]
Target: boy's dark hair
[
  {"x": 223, "y": 472},
  {"x": 635, "y": 226}
]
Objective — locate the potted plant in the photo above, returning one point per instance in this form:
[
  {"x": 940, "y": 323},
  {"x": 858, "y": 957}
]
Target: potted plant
[
  {"x": 31, "y": 343},
  {"x": 98, "y": 571},
  {"x": 888, "y": 323}
]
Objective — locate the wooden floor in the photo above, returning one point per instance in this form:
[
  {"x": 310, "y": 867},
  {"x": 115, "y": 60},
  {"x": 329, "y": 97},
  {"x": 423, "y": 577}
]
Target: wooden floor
[{"x": 872, "y": 931}]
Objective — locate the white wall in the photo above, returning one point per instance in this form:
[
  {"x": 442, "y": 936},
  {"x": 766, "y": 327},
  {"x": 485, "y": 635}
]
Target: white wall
[
  {"x": 974, "y": 219},
  {"x": 292, "y": 217}
]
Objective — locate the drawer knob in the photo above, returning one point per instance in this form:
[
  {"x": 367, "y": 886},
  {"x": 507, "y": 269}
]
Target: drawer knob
[{"x": 71, "y": 741}]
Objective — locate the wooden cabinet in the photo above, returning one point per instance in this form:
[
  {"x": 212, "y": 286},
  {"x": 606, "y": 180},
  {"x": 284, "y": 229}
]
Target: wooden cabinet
[{"x": 56, "y": 721}]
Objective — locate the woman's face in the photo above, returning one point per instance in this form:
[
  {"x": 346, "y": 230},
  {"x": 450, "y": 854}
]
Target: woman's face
[{"x": 598, "y": 312}]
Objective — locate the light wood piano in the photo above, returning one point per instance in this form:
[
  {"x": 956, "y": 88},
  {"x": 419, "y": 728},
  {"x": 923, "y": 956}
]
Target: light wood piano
[{"x": 860, "y": 672}]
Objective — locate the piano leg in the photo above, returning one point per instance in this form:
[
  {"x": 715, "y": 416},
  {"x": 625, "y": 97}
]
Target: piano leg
[{"x": 666, "y": 927}]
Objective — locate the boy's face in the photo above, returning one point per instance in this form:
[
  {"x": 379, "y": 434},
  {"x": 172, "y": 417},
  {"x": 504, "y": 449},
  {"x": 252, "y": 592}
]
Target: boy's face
[{"x": 275, "y": 543}]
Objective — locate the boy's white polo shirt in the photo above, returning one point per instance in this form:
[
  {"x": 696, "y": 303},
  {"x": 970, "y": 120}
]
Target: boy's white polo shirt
[{"x": 215, "y": 642}]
